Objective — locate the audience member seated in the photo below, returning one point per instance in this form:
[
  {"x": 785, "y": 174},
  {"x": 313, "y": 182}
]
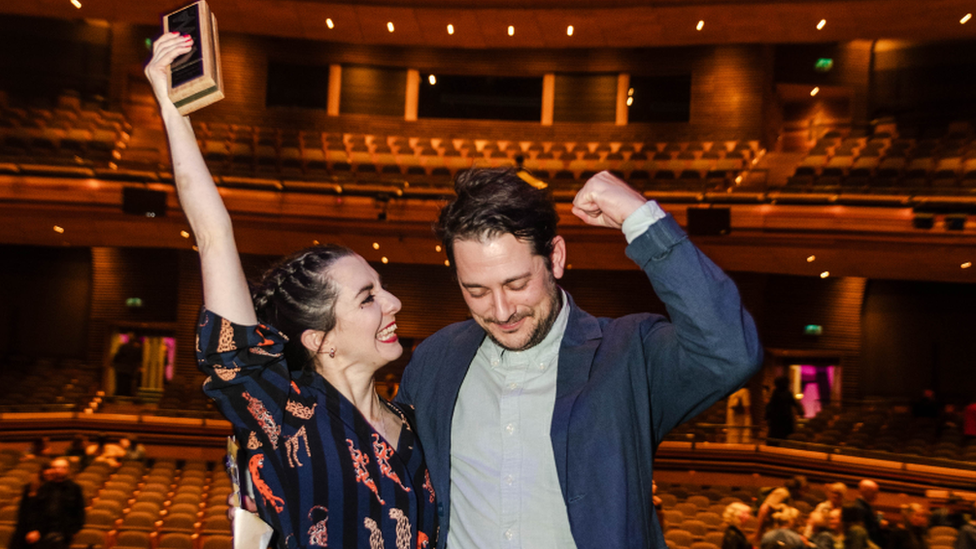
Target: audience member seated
[
  {"x": 827, "y": 529},
  {"x": 791, "y": 491},
  {"x": 912, "y": 531},
  {"x": 967, "y": 534},
  {"x": 104, "y": 451},
  {"x": 782, "y": 536},
  {"x": 835, "y": 500},
  {"x": 735, "y": 516}
]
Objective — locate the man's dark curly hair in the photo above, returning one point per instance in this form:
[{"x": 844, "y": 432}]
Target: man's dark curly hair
[{"x": 494, "y": 201}]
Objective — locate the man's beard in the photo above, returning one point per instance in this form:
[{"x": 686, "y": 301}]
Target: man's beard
[{"x": 542, "y": 328}]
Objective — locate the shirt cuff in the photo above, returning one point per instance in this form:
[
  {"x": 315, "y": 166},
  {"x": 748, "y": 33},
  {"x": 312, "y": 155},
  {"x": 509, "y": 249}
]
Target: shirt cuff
[{"x": 638, "y": 222}]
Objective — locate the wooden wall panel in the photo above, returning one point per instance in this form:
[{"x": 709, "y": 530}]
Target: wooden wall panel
[
  {"x": 793, "y": 302},
  {"x": 728, "y": 87},
  {"x": 121, "y": 273}
]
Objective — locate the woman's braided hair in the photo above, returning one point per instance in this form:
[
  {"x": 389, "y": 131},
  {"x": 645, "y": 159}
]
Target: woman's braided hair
[{"x": 298, "y": 294}]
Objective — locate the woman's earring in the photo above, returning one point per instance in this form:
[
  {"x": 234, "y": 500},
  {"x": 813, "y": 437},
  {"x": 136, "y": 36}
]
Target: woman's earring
[{"x": 332, "y": 353}]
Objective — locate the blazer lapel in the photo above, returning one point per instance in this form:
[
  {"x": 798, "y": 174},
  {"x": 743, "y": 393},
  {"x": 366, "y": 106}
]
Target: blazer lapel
[
  {"x": 582, "y": 337},
  {"x": 445, "y": 388}
]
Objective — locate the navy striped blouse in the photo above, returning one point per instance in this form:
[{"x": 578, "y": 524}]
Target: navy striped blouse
[{"x": 323, "y": 477}]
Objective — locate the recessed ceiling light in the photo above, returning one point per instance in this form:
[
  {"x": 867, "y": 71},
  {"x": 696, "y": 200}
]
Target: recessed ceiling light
[
  {"x": 966, "y": 265},
  {"x": 630, "y": 92},
  {"x": 825, "y": 274},
  {"x": 814, "y": 91},
  {"x": 569, "y": 30},
  {"x": 315, "y": 243},
  {"x": 376, "y": 245},
  {"x": 329, "y": 23},
  {"x": 437, "y": 248},
  {"x": 59, "y": 229},
  {"x": 185, "y": 234},
  {"x": 384, "y": 260},
  {"x": 447, "y": 262},
  {"x": 630, "y": 101},
  {"x": 389, "y": 26},
  {"x": 511, "y": 30},
  {"x": 432, "y": 79},
  {"x": 821, "y": 24},
  {"x": 811, "y": 259},
  {"x": 450, "y": 29},
  {"x": 701, "y": 25},
  {"x": 76, "y": 4},
  {"x": 965, "y": 18}
]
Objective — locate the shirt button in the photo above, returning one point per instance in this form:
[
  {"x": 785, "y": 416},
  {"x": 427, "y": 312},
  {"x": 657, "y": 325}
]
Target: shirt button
[
  {"x": 509, "y": 480},
  {"x": 509, "y": 534},
  {"x": 513, "y": 386},
  {"x": 494, "y": 363},
  {"x": 510, "y": 428},
  {"x": 542, "y": 365}
]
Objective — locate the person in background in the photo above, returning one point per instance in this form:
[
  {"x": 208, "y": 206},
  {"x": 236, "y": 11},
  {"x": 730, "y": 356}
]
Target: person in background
[
  {"x": 658, "y": 506},
  {"x": 735, "y": 516},
  {"x": 855, "y": 535},
  {"x": 791, "y": 491},
  {"x": 780, "y": 409},
  {"x": 76, "y": 452},
  {"x": 782, "y": 536},
  {"x": 875, "y": 525},
  {"x": 40, "y": 447},
  {"x": 835, "y": 500},
  {"x": 134, "y": 451},
  {"x": 827, "y": 530},
  {"x": 738, "y": 417},
  {"x": 54, "y": 512},
  {"x": 28, "y": 512},
  {"x": 912, "y": 531},
  {"x": 966, "y": 539}
]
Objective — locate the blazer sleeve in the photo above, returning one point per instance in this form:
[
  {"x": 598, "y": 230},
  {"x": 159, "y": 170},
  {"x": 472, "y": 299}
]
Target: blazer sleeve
[{"x": 710, "y": 347}]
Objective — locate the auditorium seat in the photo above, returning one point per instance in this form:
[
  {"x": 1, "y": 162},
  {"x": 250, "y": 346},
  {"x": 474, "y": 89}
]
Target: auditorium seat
[
  {"x": 175, "y": 540},
  {"x": 216, "y": 541},
  {"x": 131, "y": 539},
  {"x": 681, "y": 538},
  {"x": 86, "y": 538}
]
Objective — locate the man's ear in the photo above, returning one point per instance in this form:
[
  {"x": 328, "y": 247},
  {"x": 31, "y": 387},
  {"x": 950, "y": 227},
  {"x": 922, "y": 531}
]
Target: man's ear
[
  {"x": 558, "y": 256},
  {"x": 315, "y": 341}
]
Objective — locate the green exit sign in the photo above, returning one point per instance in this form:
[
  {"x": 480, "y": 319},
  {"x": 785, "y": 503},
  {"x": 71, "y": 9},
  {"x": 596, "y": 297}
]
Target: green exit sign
[
  {"x": 824, "y": 64},
  {"x": 813, "y": 330}
]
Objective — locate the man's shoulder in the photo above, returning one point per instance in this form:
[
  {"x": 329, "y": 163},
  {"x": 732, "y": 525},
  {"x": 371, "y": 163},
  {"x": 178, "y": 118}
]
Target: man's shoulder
[{"x": 449, "y": 339}]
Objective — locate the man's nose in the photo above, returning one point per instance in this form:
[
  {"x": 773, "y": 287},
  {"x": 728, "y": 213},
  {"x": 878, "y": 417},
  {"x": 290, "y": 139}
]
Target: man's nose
[{"x": 503, "y": 308}]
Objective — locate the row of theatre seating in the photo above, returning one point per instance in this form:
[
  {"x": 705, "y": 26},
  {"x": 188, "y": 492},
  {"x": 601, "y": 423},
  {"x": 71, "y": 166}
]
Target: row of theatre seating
[
  {"x": 883, "y": 163},
  {"x": 36, "y": 385},
  {"x": 883, "y": 429},
  {"x": 168, "y": 505},
  {"x": 182, "y": 505},
  {"x": 693, "y": 514}
]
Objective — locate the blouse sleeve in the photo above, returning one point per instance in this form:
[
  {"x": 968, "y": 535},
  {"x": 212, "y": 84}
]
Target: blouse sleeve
[{"x": 243, "y": 364}]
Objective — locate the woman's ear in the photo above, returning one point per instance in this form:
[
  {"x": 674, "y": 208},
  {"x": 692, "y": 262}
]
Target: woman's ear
[{"x": 315, "y": 341}]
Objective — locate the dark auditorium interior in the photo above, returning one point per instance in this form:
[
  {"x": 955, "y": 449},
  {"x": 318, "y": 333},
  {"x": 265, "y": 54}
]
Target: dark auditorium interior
[{"x": 823, "y": 153}]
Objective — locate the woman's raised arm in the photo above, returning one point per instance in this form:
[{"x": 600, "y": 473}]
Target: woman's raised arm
[{"x": 225, "y": 290}]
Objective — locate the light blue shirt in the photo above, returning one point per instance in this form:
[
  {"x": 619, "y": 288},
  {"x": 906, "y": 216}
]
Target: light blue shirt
[{"x": 505, "y": 491}]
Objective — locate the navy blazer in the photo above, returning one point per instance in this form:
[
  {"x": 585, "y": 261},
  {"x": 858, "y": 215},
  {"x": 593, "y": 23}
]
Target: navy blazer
[{"x": 622, "y": 384}]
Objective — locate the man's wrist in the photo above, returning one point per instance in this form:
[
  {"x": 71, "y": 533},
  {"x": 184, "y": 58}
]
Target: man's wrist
[{"x": 641, "y": 219}]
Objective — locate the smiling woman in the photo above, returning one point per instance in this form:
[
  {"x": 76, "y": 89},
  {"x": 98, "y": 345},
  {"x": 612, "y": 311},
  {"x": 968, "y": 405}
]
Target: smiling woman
[{"x": 291, "y": 365}]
